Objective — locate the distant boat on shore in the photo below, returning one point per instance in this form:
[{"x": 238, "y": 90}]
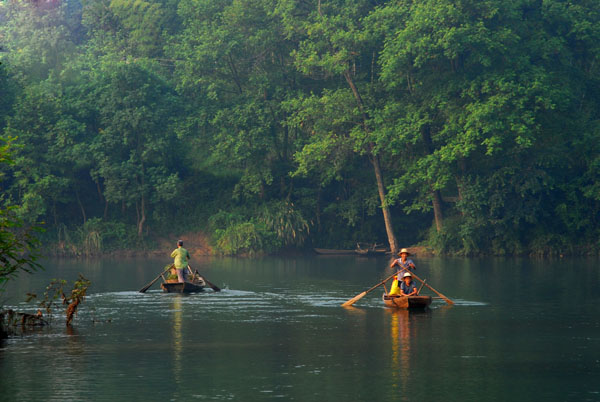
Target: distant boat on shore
[
  {"x": 331, "y": 251},
  {"x": 357, "y": 251}
]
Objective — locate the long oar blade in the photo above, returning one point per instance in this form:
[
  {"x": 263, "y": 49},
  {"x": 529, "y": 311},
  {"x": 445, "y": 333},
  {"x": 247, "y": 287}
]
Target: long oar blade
[
  {"x": 354, "y": 299},
  {"x": 447, "y": 300},
  {"x": 213, "y": 287},
  {"x": 361, "y": 295},
  {"x": 143, "y": 290}
]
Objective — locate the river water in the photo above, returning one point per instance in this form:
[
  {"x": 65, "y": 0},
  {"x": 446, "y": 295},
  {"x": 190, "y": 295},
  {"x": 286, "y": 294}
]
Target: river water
[{"x": 521, "y": 330}]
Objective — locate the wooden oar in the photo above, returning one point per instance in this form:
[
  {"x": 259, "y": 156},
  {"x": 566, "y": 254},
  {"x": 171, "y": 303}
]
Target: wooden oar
[
  {"x": 421, "y": 287},
  {"x": 143, "y": 290},
  {"x": 433, "y": 290},
  {"x": 361, "y": 295},
  {"x": 214, "y": 287}
]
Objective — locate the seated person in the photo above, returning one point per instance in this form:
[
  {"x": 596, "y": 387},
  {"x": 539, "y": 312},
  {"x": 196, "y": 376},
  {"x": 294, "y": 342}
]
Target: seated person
[{"x": 407, "y": 287}]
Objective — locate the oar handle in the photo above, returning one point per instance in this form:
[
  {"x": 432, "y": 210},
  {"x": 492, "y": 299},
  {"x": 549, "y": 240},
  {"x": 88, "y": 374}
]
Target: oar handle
[
  {"x": 214, "y": 287},
  {"x": 423, "y": 284},
  {"x": 447, "y": 300},
  {"x": 143, "y": 290},
  {"x": 380, "y": 283}
]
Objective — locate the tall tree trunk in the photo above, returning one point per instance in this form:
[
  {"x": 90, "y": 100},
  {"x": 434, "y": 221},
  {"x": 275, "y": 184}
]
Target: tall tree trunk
[
  {"x": 102, "y": 199},
  {"x": 80, "y": 206},
  {"x": 105, "y": 214},
  {"x": 318, "y": 212},
  {"x": 460, "y": 184},
  {"x": 142, "y": 216},
  {"x": 54, "y": 213},
  {"x": 387, "y": 216},
  {"x": 436, "y": 198}
]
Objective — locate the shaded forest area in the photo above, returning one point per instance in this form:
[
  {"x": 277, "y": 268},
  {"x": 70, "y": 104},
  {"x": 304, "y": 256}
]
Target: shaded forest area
[{"x": 470, "y": 126}]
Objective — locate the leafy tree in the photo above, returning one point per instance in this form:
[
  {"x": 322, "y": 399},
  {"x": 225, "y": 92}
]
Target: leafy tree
[
  {"x": 52, "y": 162},
  {"x": 122, "y": 29},
  {"x": 18, "y": 243},
  {"x": 233, "y": 61},
  {"x": 135, "y": 151},
  {"x": 481, "y": 116},
  {"x": 37, "y": 39},
  {"x": 333, "y": 43},
  {"x": 476, "y": 88}
]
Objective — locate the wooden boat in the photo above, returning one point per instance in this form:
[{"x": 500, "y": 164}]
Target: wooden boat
[
  {"x": 412, "y": 302},
  {"x": 193, "y": 283},
  {"x": 331, "y": 251},
  {"x": 182, "y": 287},
  {"x": 367, "y": 252},
  {"x": 370, "y": 249}
]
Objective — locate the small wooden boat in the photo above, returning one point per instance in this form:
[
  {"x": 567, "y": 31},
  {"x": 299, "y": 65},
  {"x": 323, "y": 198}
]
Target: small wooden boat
[
  {"x": 368, "y": 252},
  {"x": 330, "y": 251},
  {"x": 193, "y": 283},
  {"x": 182, "y": 287},
  {"x": 406, "y": 301},
  {"x": 370, "y": 249}
]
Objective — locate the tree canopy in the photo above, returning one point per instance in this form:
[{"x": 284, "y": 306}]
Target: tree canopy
[{"x": 468, "y": 126}]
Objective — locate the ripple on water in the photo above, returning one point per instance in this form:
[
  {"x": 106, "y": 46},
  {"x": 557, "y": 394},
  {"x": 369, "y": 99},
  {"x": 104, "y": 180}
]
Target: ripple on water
[
  {"x": 461, "y": 302},
  {"x": 229, "y": 305}
]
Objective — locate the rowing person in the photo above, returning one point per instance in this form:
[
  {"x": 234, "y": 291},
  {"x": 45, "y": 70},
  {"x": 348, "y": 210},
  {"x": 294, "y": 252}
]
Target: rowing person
[
  {"x": 181, "y": 257},
  {"x": 404, "y": 263}
]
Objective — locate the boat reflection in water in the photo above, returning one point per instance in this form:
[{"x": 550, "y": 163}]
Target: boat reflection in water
[
  {"x": 403, "y": 330},
  {"x": 177, "y": 341}
]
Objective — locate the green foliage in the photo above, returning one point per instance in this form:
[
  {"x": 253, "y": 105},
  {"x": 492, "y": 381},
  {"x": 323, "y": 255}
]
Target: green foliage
[
  {"x": 258, "y": 120},
  {"x": 245, "y": 238},
  {"x": 18, "y": 247},
  {"x": 18, "y": 242},
  {"x": 37, "y": 41},
  {"x": 278, "y": 225},
  {"x": 286, "y": 222},
  {"x": 94, "y": 237}
]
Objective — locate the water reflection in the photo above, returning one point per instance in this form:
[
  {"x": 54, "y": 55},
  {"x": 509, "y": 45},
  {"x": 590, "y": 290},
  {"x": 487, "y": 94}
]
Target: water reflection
[
  {"x": 284, "y": 334},
  {"x": 177, "y": 341},
  {"x": 400, "y": 333},
  {"x": 403, "y": 331}
]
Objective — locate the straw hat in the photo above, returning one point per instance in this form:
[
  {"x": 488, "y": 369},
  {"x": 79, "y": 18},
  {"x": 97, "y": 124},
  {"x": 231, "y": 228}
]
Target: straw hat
[
  {"x": 402, "y": 251},
  {"x": 406, "y": 274}
]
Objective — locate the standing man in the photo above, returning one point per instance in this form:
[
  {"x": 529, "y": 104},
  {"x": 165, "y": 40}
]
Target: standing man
[
  {"x": 181, "y": 257},
  {"x": 404, "y": 263}
]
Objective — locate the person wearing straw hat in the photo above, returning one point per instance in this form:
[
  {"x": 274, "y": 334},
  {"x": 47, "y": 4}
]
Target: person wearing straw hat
[
  {"x": 181, "y": 257},
  {"x": 408, "y": 287},
  {"x": 404, "y": 263}
]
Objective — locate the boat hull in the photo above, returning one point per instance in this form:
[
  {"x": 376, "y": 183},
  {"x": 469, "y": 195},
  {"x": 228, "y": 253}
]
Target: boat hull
[
  {"x": 411, "y": 302},
  {"x": 182, "y": 287},
  {"x": 368, "y": 253},
  {"x": 329, "y": 251}
]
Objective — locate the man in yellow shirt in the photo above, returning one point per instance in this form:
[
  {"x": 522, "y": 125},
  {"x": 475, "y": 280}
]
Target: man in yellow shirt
[{"x": 181, "y": 257}]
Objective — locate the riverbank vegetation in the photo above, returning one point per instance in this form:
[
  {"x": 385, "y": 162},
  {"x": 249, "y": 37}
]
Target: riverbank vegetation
[{"x": 470, "y": 126}]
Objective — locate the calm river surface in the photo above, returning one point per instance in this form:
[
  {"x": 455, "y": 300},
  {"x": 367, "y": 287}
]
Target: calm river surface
[{"x": 521, "y": 330}]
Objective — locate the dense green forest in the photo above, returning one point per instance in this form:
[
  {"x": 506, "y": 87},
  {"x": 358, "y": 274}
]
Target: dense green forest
[{"x": 470, "y": 126}]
